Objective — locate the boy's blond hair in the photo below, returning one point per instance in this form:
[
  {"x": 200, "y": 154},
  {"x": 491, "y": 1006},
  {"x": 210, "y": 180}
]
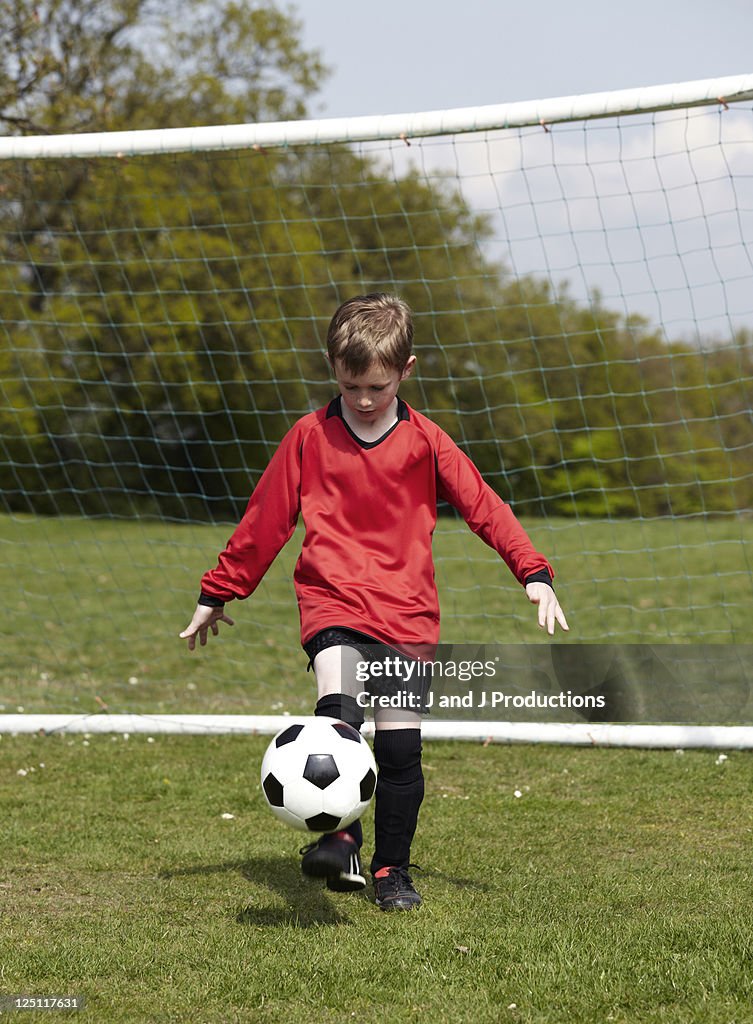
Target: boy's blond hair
[{"x": 368, "y": 329}]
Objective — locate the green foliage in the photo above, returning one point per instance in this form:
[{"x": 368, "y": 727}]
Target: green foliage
[
  {"x": 104, "y": 65},
  {"x": 572, "y": 409},
  {"x": 94, "y": 603},
  {"x": 164, "y": 316}
]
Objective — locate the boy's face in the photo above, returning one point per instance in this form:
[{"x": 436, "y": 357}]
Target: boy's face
[{"x": 370, "y": 395}]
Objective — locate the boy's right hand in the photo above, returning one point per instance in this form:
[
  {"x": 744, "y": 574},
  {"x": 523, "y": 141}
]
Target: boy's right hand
[{"x": 204, "y": 619}]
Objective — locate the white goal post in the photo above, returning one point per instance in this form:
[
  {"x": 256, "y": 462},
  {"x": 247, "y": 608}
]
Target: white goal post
[
  {"x": 657, "y": 737},
  {"x": 385, "y": 127},
  {"x": 581, "y": 272}
]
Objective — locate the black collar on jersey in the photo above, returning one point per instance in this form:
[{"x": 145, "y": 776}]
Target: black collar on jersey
[{"x": 335, "y": 409}]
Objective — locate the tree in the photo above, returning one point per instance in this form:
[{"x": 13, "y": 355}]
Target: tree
[
  {"x": 105, "y": 65},
  {"x": 164, "y": 317},
  {"x": 81, "y": 295}
]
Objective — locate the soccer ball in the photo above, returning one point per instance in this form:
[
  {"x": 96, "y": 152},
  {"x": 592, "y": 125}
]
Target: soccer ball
[{"x": 318, "y": 775}]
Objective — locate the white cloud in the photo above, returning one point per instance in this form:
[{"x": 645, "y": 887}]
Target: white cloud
[{"x": 655, "y": 211}]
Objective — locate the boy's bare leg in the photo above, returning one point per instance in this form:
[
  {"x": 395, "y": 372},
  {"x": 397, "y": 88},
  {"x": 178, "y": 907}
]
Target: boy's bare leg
[
  {"x": 335, "y": 671},
  {"x": 400, "y": 783},
  {"x": 396, "y": 718},
  {"x": 335, "y": 856}
]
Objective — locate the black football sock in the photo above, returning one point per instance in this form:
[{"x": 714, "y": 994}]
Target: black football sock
[
  {"x": 399, "y": 792},
  {"x": 344, "y": 707}
]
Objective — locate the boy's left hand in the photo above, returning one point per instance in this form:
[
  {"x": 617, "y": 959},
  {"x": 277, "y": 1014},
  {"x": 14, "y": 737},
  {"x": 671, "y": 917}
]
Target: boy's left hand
[{"x": 549, "y": 607}]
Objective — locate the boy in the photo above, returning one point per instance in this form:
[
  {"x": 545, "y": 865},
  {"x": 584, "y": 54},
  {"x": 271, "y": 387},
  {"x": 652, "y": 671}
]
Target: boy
[{"x": 366, "y": 473}]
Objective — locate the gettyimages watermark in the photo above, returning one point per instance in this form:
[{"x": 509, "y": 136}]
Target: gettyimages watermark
[
  {"x": 674, "y": 683},
  {"x": 404, "y": 674}
]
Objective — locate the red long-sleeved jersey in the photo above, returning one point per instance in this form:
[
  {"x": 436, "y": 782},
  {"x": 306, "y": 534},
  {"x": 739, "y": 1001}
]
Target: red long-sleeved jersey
[{"x": 369, "y": 511}]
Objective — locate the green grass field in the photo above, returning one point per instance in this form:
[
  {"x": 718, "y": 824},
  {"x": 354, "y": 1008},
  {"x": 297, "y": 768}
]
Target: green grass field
[
  {"x": 93, "y": 608},
  {"x": 614, "y": 889}
]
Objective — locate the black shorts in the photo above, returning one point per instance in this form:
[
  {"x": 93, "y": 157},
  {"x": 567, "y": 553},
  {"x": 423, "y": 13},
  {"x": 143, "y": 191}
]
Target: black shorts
[
  {"x": 337, "y": 636},
  {"x": 409, "y": 678}
]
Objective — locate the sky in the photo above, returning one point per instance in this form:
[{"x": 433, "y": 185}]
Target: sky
[
  {"x": 395, "y": 56},
  {"x": 669, "y": 242}
]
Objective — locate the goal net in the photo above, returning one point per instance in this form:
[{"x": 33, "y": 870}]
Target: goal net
[{"x": 581, "y": 276}]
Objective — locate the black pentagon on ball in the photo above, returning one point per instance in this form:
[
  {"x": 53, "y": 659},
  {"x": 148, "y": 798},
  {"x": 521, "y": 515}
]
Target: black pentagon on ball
[
  {"x": 288, "y": 736},
  {"x": 347, "y": 731},
  {"x": 322, "y": 823},
  {"x": 321, "y": 770},
  {"x": 368, "y": 784},
  {"x": 273, "y": 790}
]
